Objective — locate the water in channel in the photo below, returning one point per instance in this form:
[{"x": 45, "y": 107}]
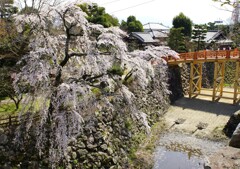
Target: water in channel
[
  {"x": 180, "y": 151},
  {"x": 168, "y": 159}
]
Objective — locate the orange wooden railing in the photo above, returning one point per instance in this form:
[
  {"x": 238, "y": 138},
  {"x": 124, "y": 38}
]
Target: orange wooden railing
[{"x": 207, "y": 54}]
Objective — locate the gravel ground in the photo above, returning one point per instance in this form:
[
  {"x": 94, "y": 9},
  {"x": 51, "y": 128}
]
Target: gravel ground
[
  {"x": 192, "y": 124},
  {"x": 199, "y": 117}
]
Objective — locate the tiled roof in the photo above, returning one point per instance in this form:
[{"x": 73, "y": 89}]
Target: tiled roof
[
  {"x": 144, "y": 37},
  {"x": 158, "y": 34},
  {"x": 211, "y": 35}
]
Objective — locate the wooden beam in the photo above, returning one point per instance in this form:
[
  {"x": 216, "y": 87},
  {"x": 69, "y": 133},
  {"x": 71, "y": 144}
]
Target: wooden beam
[
  {"x": 236, "y": 84},
  {"x": 191, "y": 80},
  {"x": 219, "y": 71},
  {"x": 195, "y": 78},
  {"x": 200, "y": 78}
]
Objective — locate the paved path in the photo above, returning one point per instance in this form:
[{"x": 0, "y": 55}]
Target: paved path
[{"x": 195, "y": 114}]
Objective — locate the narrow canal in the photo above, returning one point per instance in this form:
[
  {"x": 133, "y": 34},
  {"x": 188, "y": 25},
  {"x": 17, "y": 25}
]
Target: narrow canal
[{"x": 183, "y": 151}]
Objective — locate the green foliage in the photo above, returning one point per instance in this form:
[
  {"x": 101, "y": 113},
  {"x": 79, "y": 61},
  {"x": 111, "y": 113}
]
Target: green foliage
[
  {"x": 224, "y": 28},
  {"x": 235, "y": 36},
  {"x": 128, "y": 123},
  {"x": 183, "y": 21},
  {"x": 28, "y": 10},
  {"x": 13, "y": 43},
  {"x": 60, "y": 167},
  {"x": 7, "y": 1},
  {"x": 132, "y": 25},
  {"x": 176, "y": 40},
  {"x": 128, "y": 81},
  {"x": 142, "y": 155},
  {"x": 116, "y": 69},
  {"x": 198, "y": 36},
  {"x": 6, "y": 8},
  {"x": 7, "y": 108},
  {"x": 212, "y": 26},
  {"x": 6, "y": 87},
  {"x": 97, "y": 15},
  {"x": 137, "y": 139},
  {"x": 96, "y": 91},
  {"x": 75, "y": 162}
]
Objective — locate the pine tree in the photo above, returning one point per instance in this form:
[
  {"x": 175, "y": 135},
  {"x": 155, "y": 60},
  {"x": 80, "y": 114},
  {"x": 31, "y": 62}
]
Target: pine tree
[
  {"x": 198, "y": 36},
  {"x": 176, "y": 40}
]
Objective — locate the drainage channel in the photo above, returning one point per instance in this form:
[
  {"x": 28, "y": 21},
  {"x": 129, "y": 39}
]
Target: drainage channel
[{"x": 177, "y": 151}]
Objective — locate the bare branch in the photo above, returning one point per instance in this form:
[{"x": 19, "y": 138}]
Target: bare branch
[{"x": 77, "y": 54}]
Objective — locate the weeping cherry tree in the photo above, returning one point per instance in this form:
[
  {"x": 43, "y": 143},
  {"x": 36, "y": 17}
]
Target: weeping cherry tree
[{"x": 69, "y": 59}]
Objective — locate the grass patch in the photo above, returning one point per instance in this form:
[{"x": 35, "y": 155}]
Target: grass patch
[
  {"x": 218, "y": 134},
  {"x": 8, "y": 108},
  {"x": 142, "y": 157},
  {"x": 231, "y": 85}
]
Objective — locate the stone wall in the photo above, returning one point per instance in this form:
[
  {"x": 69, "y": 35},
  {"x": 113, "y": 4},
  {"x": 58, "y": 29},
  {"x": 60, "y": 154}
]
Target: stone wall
[
  {"x": 178, "y": 81},
  {"x": 208, "y": 75},
  {"x": 230, "y": 71},
  {"x": 108, "y": 136},
  {"x": 232, "y": 130},
  {"x": 232, "y": 124},
  {"x": 179, "y": 77}
]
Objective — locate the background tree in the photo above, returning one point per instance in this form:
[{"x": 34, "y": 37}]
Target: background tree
[
  {"x": 132, "y": 25},
  {"x": 7, "y": 8},
  {"x": 70, "y": 63},
  {"x": 183, "y": 21},
  {"x": 14, "y": 44},
  {"x": 212, "y": 26},
  {"x": 6, "y": 86},
  {"x": 176, "y": 40},
  {"x": 36, "y": 5},
  {"x": 226, "y": 2},
  {"x": 198, "y": 36},
  {"x": 97, "y": 15},
  {"x": 235, "y": 35},
  {"x": 233, "y": 30}
]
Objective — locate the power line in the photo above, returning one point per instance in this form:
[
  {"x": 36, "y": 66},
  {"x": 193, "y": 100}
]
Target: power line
[
  {"x": 109, "y": 2},
  {"x": 132, "y": 6},
  {"x": 155, "y": 23}
]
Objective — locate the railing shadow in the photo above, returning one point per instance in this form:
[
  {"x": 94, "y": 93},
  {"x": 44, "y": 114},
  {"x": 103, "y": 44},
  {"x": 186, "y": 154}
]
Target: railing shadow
[{"x": 217, "y": 108}]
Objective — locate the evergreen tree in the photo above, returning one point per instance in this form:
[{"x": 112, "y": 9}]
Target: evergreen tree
[
  {"x": 132, "y": 25},
  {"x": 183, "y": 21},
  {"x": 6, "y": 8},
  {"x": 176, "y": 40},
  {"x": 212, "y": 26},
  {"x": 97, "y": 15},
  {"x": 198, "y": 36},
  {"x": 235, "y": 36}
]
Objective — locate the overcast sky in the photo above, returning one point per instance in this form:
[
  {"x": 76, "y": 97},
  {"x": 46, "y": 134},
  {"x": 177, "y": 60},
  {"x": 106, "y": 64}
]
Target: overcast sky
[{"x": 163, "y": 11}]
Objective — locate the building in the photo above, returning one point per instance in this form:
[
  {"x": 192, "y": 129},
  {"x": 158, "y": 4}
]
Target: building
[
  {"x": 154, "y": 34},
  {"x": 217, "y": 40}
]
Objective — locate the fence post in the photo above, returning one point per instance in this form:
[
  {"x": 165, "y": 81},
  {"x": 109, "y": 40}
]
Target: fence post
[
  {"x": 227, "y": 54},
  {"x": 195, "y": 55}
]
